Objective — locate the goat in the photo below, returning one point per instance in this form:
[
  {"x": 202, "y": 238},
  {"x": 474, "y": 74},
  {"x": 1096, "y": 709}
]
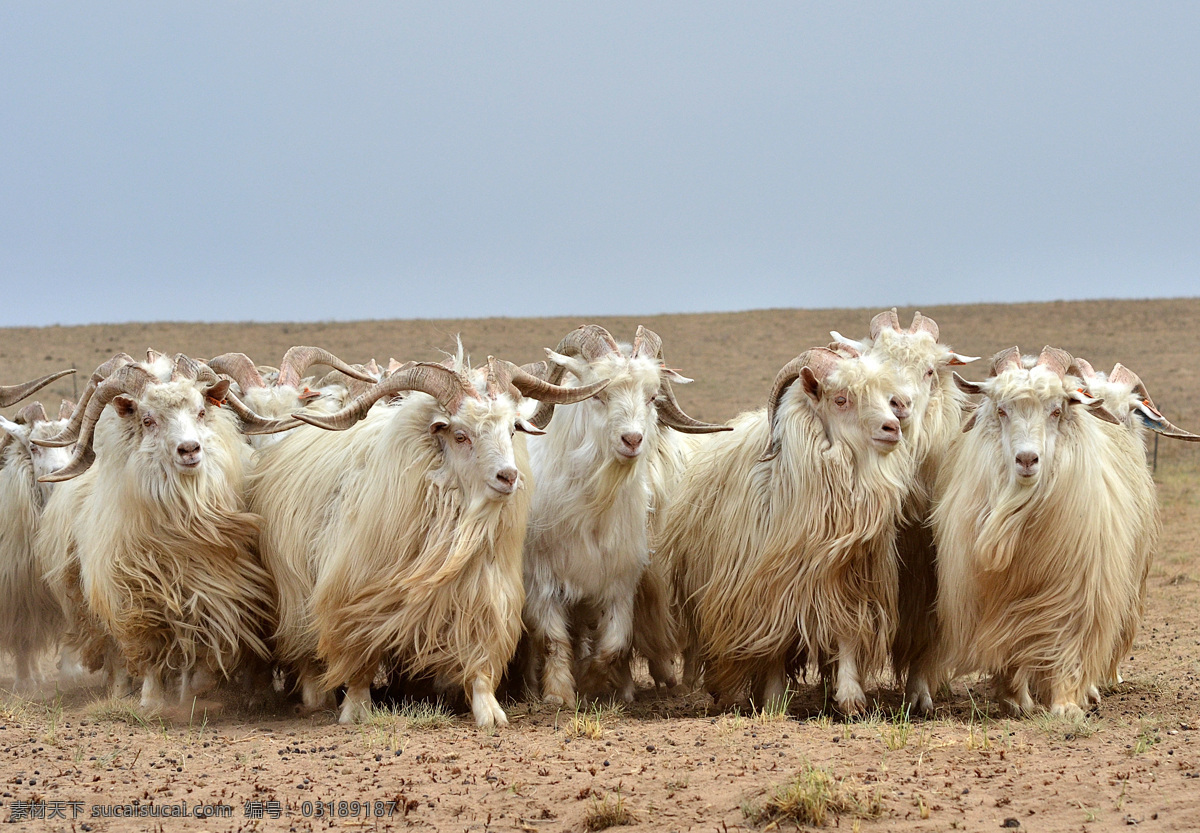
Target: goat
[
  {"x": 1042, "y": 530},
  {"x": 30, "y": 618},
  {"x": 587, "y": 547},
  {"x": 157, "y": 528},
  {"x": 789, "y": 555},
  {"x": 931, "y": 425},
  {"x": 400, "y": 539}
]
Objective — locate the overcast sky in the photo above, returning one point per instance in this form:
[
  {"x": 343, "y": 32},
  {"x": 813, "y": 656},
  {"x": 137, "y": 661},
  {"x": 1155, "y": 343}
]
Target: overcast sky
[{"x": 305, "y": 161}]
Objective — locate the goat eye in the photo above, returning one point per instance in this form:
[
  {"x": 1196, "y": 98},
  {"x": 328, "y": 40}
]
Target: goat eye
[
  {"x": 1002, "y": 412},
  {"x": 461, "y": 437},
  {"x": 840, "y": 401},
  {"x": 1056, "y": 413},
  {"x": 148, "y": 422},
  {"x": 201, "y": 414}
]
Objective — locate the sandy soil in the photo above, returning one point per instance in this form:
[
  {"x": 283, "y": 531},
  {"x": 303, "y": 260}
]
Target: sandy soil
[{"x": 663, "y": 763}]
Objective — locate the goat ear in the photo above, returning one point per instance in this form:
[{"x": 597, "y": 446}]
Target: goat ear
[
  {"x": 216, "y": 393},
  {"x": 965, "y": 386},
  {"x": 970, "y": 423},
  {"x": 439, "y": 423},
  {"x": 811, "y": 384},
  {"x": 1094, "y": 404},
  {"x": 957, "y": 360},
  {"x": 12, "y": 429},
  {"x": 675, "y": 376},
  {"x": 528, "y": 427},
  {"x": 124, "y": 406}
]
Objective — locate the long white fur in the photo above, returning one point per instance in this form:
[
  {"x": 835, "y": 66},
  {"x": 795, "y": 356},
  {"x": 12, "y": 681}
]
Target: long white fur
[
  {"x": 385, "y": 548},
  {"x": 780, "y": 562},
  {"x": 1039, "y": 583},
  {"x": 166, "y": 562},
  {"x": 31, "y": 620},
  {"x": 934, "y": 423},
  {"x": 587, "y": 547}
]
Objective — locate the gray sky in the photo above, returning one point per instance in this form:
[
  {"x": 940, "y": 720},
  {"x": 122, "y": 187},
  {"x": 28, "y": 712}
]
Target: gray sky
[{"x": 304, "y": 161}]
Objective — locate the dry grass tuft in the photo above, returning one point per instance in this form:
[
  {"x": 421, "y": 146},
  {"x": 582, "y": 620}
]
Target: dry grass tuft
[
  {"x": 814, "y": 797},
  {"x": 608, "y": 812}
]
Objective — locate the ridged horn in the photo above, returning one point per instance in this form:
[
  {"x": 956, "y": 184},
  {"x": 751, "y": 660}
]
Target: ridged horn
[
  {"x": 70, "y": 431},
  {"x": 239, "y": 368},
  {"x": 1082, "y": 368},
  {"x": 648, "y": 344},
  {"x": 820, "y": 360},
  {"x": 1002, "y": 360},
  {"x": 545, "y": 392},
  {"x": 12, "y": 394},
  {"x": 589, "y": 342},
  {"x": 1055, "y": 359},
  {"x": 437, "y": 380},
  {"x": 129, "y": 379},
  {"x": 1160, "y": 425},
  {"x": 886, "y": 319},
  {"x": 923, "y": 324},
  {"x": 299, "y": 359},
  {"x": 31, "y": 414}
]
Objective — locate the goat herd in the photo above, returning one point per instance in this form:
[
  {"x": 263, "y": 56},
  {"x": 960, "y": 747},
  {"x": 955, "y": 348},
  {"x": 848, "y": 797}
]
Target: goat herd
[{"x": 192, "y": 523}]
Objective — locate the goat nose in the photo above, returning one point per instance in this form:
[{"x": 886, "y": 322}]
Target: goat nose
[
  {"x": 900, "y": 406},
  {"x": 891, "y": 426},
  {"x": 187, "y": 448},
  {"x": 632, "y": 440},
  {"x": 1027, "y": 459},
  {"x": 508, "y": 475}
]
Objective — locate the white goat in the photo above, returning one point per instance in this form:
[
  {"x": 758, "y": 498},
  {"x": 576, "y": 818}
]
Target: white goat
[
  {"x": 587, "y": 548},
  {"x": 1043, "y": 531},
  {"x": 788, "y": 556},
  {"x": 30, "y": 618},
  {"x": 932, "y": 424},
  {"x": 400, "y": 539},
  {"x": 157, "y": 529}
]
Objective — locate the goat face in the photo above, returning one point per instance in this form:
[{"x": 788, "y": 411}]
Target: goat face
[
  {"x": 1028, "y": 409},
  {"x": 169, "y": 422},
  {"x": 477, "y": 445},
  {"x": 859, "y": 403},
  {"x": 626, "y": 406}
]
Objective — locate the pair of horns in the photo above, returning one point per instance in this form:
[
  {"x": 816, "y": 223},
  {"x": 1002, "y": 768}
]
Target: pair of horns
[
  {"x": 891, "y": 320},
  {"x": 450, "y": 388},
  {"x": 591, "y": 342},
  {"x": 1151, "y": 416}
]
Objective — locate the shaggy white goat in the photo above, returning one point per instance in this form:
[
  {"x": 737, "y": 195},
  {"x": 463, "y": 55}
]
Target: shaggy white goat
[
  {"x": 1043, "y": 533},
  {"x": 157, "y": 530},
  {"x": 931, "y": 425},
  {"x": 587, "y": 550},
  {"x": 788, "y": 556},
  {"x": 30, "y": 618},
  {"x": 400, "y": 539}
]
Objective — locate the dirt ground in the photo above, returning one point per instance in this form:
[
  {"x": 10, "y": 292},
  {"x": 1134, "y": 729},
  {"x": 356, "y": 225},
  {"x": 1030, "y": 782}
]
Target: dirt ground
[{"x": 664, "y": 763}]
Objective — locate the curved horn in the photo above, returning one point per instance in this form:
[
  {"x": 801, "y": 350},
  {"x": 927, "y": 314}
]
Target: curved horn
[
  {"x": 188, "y": 368},
  {"x": 1082, "y": 368},
  {"x": 646, "y": 343},
  {"x": 1053, "y": 358},
  {"x": 239, "y": 368},
  {"x": 12, "y": 394},
  {"x": 820, "y": 360},
  {"x": 888, "y": 318},
  {"x": 589, "y": 342},
  {"x": 70, "y": 431},
  {"x": 1001, "y": 361},
  {"x": 537, "y": 388},
  {"x": 922, "y": 324},
  {"x": 65, "y": 409},
  {"x": 31, "y": 414},
  {"x": 131, "y": 379},
  {"x": 1122, "y": 374},
  {"x": 440, "y": 382},
  {"x": 299, "y": 359}
]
